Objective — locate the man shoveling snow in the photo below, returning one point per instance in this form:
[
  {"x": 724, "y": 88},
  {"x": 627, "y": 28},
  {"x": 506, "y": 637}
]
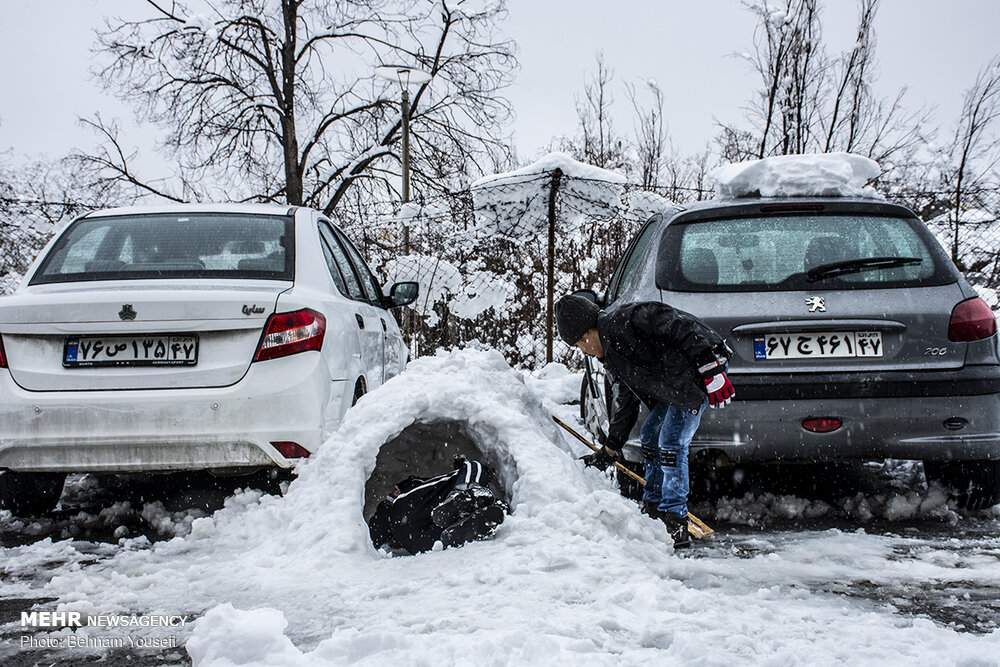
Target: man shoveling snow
[{"x": 670, "y": 361}]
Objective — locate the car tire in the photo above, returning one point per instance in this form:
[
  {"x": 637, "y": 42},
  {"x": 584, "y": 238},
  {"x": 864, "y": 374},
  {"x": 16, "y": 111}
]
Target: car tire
[
  {"x": 585, "y": 399},
  {"x": 975, "y": 484},
  {"x": 30, "y": 493},
  {"x": 360, "y": 389}
]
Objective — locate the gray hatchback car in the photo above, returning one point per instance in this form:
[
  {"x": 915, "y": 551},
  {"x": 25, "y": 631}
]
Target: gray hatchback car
[{"x": 855, "y": 336}]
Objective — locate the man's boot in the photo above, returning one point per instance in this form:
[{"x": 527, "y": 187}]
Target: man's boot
[
  {"x": 677, "y": 528},
  {"x": 650, "y": 510}
]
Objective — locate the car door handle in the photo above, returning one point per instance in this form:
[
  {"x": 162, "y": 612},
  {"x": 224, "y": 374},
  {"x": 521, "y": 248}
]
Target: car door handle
[{"x": 361, "y": 321}]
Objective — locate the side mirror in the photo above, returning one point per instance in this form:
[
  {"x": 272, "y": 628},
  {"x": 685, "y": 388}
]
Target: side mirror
[
  {"x": 590, "y": 295},
  {"x": 403, "y": 294}
]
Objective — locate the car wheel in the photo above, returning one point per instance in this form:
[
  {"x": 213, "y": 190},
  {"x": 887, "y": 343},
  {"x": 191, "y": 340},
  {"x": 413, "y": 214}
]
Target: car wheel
[
  {"x": 30, "y": 493},
  {"x": 587, "y": 415},
  {"x": 360, "y": 389},
  {"x": 976, "y": 484}
]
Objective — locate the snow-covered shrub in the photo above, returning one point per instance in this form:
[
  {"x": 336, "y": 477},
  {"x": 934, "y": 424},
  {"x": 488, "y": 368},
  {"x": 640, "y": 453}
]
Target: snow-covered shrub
[
  {"x": 481, "y": 255},
  {"x": 9, "y": 282},
  {"x": 978, "y": 232}
]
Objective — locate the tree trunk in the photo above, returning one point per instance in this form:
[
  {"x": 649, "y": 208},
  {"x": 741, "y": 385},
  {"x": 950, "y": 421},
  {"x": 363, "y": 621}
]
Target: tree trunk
[{"x": 289, "y": 140}]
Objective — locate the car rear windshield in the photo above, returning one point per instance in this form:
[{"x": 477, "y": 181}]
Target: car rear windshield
[
  {"x": 195, "y": 245},
  {"x": 776, "y": 253}
]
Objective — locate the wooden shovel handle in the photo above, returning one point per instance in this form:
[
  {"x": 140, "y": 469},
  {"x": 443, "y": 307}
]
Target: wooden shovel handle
[{"x": 698, "y": 528}]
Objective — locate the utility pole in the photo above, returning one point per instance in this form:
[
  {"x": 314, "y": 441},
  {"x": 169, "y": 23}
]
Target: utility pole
[
  {"x": 405, "y": 77},
  {"x": 550, "y": 285},
  {"x": 406, "y": 162}
]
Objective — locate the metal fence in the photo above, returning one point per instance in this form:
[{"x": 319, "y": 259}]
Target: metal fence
[{"x": 492, "y": 259}]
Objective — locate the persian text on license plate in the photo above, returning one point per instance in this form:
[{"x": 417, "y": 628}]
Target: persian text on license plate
[
  {"x": 826, "y": 344},
  {"x": 91, "y": 351}
]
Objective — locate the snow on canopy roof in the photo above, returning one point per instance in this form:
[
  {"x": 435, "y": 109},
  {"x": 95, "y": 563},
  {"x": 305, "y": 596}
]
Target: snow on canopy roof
[
  {"x": 515, "y": 204},
  {"x": 806, "y": 175},
  {"x": 550, "y": 163}
]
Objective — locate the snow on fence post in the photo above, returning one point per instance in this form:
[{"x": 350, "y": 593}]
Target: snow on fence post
[{"x": 550, "y": 286}]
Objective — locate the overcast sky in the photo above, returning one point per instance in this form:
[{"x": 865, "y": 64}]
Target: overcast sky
[{"x": 931, "y": 47}]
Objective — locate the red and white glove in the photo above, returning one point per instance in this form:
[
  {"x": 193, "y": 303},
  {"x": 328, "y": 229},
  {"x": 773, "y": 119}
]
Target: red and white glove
[{"x": 720, "y": 390}]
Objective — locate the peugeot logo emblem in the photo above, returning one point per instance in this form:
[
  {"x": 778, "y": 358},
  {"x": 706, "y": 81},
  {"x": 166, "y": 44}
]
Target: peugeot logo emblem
[
  {"x": 817, "y": 304},
  {"x": 127, "y": 313}
]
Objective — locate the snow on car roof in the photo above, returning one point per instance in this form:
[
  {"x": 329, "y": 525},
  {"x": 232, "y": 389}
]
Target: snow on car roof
[
  {"x": 255, "y": 209},
  {"x": 806, "y": 175}
]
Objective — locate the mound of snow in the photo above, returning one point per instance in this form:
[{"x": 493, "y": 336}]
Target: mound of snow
[
  {"x": 809, "y": 175},
  {"x": 558, "y": 384},
  {"x": 575, "y": 575}
]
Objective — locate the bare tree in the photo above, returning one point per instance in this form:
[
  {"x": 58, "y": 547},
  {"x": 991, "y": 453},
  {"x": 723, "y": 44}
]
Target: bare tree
[
  {"x": 789, "y": 61},
  {"x": 808, "y": 101},
  {"x": 601, "y": 146},
  {"x": 650, "y": 135},
  {"x": 975, "y": 148},
  {"x": 852, "y": 85},
  {"x": 35, "y": 197},
  {"x": 276, "y": 100}
]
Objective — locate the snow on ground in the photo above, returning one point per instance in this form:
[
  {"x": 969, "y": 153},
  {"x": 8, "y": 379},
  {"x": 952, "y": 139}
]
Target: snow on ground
[
  {"x": 576, "y": 574},
  {"x": 813, "y": 174}
]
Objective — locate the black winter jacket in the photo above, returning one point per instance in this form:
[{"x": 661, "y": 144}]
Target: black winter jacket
[
  {"x": 656, "y": 354},
  {"x": 405, "y": 521}
]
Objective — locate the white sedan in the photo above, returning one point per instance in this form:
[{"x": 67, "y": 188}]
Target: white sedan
[{"x": 213, "y": 337}]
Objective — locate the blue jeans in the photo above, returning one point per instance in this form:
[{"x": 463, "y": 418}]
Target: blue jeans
[{"x": 666, "y": 436}]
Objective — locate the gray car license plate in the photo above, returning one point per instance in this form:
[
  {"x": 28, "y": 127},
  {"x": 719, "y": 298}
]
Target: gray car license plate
[
  {"x": 90, "y": 351},
  {"x": 826, "y": 344}
]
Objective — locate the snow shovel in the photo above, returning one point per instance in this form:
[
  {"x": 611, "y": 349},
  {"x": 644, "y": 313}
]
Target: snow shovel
[{"x": 698, "y": 528}]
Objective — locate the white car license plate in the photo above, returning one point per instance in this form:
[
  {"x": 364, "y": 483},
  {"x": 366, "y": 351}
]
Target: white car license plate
[
  {"x": 92, "y": 351},
  {"x": 825, "y": 344}
]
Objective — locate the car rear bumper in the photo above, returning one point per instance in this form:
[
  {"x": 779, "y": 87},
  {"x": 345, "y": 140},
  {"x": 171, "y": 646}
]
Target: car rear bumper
[
  {"x": 163, "y": 430},
  {"x": 873, "y": 428}
]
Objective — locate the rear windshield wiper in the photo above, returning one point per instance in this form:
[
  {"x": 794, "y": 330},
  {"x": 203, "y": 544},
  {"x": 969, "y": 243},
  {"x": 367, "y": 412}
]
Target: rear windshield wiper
[{"x": 834, "y": 269}]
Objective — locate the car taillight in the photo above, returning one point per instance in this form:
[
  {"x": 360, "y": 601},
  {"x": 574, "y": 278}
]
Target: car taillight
[
  {"x": 291, "y": 450},
  {"x": 291, "y": 333},
  {"x": 822, "y": 424},
  {"x": 3, "y": 356},
  {"x": 971, "y": 320}
]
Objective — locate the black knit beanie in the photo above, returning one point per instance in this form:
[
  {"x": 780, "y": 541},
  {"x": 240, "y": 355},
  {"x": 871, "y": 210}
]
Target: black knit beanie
[{"x": 575, "y": 316}]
